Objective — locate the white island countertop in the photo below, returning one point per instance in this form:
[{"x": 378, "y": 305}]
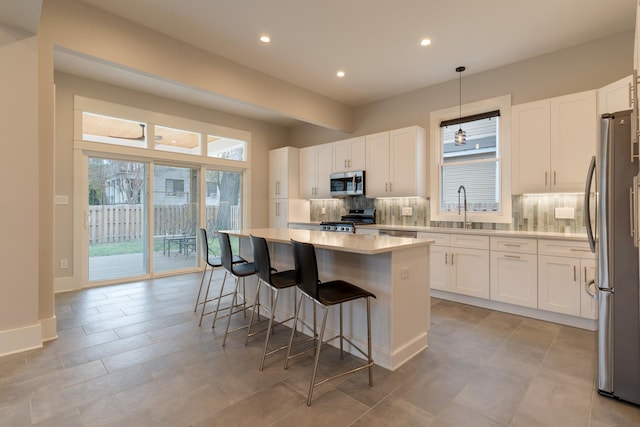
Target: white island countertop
[{"x": 343, "y": 242}]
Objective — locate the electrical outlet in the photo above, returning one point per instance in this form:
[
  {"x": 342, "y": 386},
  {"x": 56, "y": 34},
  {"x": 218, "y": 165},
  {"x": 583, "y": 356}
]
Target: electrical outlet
[
  {"x": 407, "y": 211},
  {"x": 565, "y": 213},
  {"x": 64, "y": 263},
  {"x": 404, "y": 273},
  {"x": 324, "y": 210}
]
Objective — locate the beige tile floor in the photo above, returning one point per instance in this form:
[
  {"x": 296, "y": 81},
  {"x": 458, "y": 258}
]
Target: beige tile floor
[{"x": 133, "y": 355}]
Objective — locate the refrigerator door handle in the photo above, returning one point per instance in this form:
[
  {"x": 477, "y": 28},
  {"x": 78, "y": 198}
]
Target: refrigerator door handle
[
  {"x": 635, "y": 220},
  {"x": 587, "y": 207},
  {"x": 587, "y": 288}
]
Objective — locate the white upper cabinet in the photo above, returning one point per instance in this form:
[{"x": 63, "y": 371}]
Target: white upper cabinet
[
  {"x": 349, "y": 155},
  {"x": 616, "y": 96},
  {"x": 396, "y": 163},
  {"x": 553, "y": 141},
  {"x": 283, "y": 173},
  {"x": 316, "y": 164}
]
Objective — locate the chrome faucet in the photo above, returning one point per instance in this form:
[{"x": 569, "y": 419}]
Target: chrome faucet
[{"x": 465, "y": 224}]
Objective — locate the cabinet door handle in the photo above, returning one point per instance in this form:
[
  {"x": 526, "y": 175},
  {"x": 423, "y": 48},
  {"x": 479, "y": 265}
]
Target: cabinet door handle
[
  {"x": 512, "y": 245},
  {"x": 512, "y": 256},
  {"x": 386, "y": 187},
  {"x": 545, "y": 178},
  {"x": 585, "y": 274},
  {"x": 574, "y": 273},
  {"x": 451, "y": 259},
  {"x": 345, "y": 163},
  {"x": 554, "y": 178},
  {"x": 446, "y": 258},
  {"x": 390, "y": 187}
]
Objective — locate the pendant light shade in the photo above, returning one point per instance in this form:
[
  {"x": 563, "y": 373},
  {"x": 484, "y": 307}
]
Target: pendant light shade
[{"x": 461, "y": 136}]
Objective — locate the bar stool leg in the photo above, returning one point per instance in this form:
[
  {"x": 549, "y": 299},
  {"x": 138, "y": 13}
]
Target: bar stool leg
[
  {"x": 293, "y": 330},
  {"x": 206, "y": 296},
  {"x": 274, "y": 303},
  {"x": 341, "y": 335},
  {"x": 317, "y": 358},
  {"x": 253, "y": 311},
  {"x": 215, "y": 316},
  {"x": 369, "y": 341},
  {"x": 233, "y": 303},
  {"x": 204, "y": 272}
]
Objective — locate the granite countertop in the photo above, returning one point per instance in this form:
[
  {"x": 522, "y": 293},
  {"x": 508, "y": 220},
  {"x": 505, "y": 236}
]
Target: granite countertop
[{"x": 342, "y": 242}]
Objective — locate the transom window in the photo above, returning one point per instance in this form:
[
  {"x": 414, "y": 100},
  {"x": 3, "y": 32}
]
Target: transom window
[{"x": 223, "y": 144}]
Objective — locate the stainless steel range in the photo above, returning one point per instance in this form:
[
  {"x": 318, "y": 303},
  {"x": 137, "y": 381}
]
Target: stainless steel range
[{"x": 348, "y": 222}]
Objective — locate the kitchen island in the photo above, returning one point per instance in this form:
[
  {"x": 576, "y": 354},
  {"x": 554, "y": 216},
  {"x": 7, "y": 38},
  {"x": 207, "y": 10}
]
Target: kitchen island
[{"x": 395, "y": 269}]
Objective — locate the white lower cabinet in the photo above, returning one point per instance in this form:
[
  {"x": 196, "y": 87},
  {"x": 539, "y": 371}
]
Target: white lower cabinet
[
  {"x": 559, "y": 284},
  {"x": 563, "y": 270},
  {"x": 514, "y": 271},
  {"x": 459, "y": 263},
  {"x": 470, "y": 272}
]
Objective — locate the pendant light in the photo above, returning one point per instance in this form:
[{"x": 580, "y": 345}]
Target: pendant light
[{"x": 461, "y": 136}]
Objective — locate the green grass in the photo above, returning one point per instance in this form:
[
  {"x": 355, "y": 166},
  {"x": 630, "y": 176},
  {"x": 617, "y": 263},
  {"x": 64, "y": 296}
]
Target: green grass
[{"x": 135, "y": 247}]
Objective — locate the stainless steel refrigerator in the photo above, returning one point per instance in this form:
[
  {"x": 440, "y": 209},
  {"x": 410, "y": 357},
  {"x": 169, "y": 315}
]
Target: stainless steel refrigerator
[{"x": 613, "y": 236}]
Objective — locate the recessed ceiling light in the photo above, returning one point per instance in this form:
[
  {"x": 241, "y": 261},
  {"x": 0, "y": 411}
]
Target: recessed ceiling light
[
  {"x": 340, "y": 73},
  {"x": 425, "y": 42},
  {"x": 265, "y": 39}
]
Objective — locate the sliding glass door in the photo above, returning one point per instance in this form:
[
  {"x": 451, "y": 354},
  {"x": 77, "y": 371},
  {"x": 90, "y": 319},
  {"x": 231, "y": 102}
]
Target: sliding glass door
[
  {"x": 175, "y": 207},
  {"x": 116, "y": 219}
]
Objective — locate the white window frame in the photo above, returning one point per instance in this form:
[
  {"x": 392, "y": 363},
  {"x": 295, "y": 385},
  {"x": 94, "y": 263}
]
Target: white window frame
[
  {"x": 503, "y": 155},
  {"x": 83, "y": 149}
]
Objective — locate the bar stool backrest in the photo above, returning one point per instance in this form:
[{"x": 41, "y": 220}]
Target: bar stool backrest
[
  {"x": 306, "y": 266},
  {"x": 261, "y": 258},
  {"x": 204, "y": 245},
  {"x": 226, "y": 256}
]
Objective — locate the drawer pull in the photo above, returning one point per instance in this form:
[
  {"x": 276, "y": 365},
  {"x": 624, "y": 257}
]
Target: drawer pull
[
  {"x": 512, "y": 245},
  {"x": 580, "y": 250},
  {"x": 512, "y": 256}
]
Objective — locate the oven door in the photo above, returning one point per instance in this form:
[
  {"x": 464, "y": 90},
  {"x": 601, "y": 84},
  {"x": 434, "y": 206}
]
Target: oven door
[{"x": 347, "y": 184}]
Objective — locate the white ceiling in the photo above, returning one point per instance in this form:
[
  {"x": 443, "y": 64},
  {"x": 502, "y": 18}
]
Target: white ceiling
[{"x": 377, "y": 41}]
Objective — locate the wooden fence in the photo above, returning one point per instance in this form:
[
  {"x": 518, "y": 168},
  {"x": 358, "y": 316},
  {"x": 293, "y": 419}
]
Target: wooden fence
[{"x": 120, "y": 223}]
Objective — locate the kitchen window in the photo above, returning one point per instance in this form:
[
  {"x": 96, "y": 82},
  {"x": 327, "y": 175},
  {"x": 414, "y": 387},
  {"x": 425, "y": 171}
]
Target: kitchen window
[{"x": 481, "y": 165}]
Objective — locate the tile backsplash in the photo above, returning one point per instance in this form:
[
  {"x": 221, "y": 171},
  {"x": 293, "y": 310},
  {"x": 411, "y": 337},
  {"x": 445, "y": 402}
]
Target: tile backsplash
[{"x": 529, "y": 212}]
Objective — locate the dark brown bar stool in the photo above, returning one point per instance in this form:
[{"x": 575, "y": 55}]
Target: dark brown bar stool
[
  {"x": 275, "y": 281},
  {"x": 213, "y": 262},
  {"x": 239, "y": 271},
  {"x": 325, "y": 295}
]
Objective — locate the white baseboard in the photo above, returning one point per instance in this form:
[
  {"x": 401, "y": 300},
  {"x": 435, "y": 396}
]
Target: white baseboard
[
  {"x": 21, "y": 339},
  {"x": 65, "y": 284},
  {"x": 563, "y": 319},
  {"x": 28, "y": 338},
  {"x": 49, "y": 329}
]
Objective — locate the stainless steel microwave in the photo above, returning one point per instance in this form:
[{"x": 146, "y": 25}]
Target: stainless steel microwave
[{"x": 345, "y": 184}]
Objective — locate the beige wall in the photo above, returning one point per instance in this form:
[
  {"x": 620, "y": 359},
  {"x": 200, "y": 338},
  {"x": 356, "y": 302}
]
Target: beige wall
[
  {"x": 264, "y": 137},
  {"x": 587, "y": 66},
  {"x": 20, "y": 204}
]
